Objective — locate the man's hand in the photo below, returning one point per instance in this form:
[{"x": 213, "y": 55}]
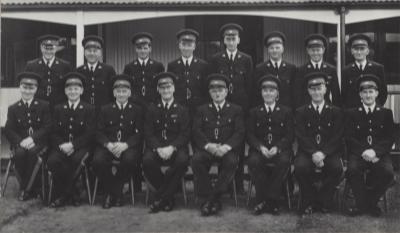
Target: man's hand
[
  {"x": 318, "y": 158},
  {"x": 27, "y": 143},
  {"x": 67, "y": 148},
  {"x": 211, "y": 148},
  {"x": 169, "y": 150},
  {"x": 120, "y": 147},
  {"x": 273, "y": 151},
  {"x": 264, "y": 150},
  {"x": 162, "y": 153},
  {"x": 369, "y": 155}
]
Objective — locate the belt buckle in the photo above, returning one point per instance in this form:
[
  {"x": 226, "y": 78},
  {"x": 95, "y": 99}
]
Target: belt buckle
[
  {"x": 119, "y": 135},
  {"x": 71, "y": 137},
  {"x": 318, "y": 139},
  {"x": 30, "y": 131},
  {"x": 216, "y": 132},
  {"x": 369, "y": 140},
  {"x": 269, "y": 138},
  {"x": 188, "y": 93},
  {"x": 48, "y": 90},
  {"x": 143, "y": 90}
]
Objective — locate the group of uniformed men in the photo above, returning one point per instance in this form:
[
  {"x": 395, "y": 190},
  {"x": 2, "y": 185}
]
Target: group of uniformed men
[{"x": 215, "y": 106}]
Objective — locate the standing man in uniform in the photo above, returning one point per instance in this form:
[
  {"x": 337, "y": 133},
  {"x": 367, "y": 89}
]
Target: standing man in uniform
[
  {"x": 218, "y": 132},
  {"x": 190, "y": 71},
  {"x": 285, "y": 71},
  {"x": 360, "y": 44},
  {"x": 71, "y": 139},
  {"x": 270, "y": 134},
  {"x": 119, "y": 137},
  {"x": 143, "y": 70},
  {"x": 167, "y": 133},
  {"x": 319, "y": 132},
  {"x": 27, "y": 127},
  {"x": 369, "y": 133},
  {"x": 98, "y": 75},
  {"x": 238, "y": 67},
  {"x": 316, "y": 45},
  {"x": 51, "y": 69}
]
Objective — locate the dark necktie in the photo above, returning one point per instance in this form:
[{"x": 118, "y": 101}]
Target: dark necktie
[
  {"x": 166, "y": 106},
  {"x": 316, "y": 67},
  {"x": 269, "y": 110},
  {"x": 369, "y": 111},
  {"x": 276, "y": 67},
  {"x": 317, "y": 109},
  {"x": 26, "y": 105},
  {"x": 360, "y": 67},
  {"x": 48, "y": 64}
]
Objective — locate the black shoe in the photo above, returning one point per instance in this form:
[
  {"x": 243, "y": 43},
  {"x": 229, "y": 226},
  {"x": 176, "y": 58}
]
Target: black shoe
[
  {"x": 375, "y": 211},
  {"x": 107, "y": 202},
  {"x": 75, "y": 201},
  {"x": 274, "y": 210},
  {"x": 169, "y": 205},
  {"x": 354, "y": 211},
  {"x": 24, "y": 196},
  {"x": 157, "y": 206},
  {"x": 260, "y": 208},
  {"x": 307, "y": 211},
  {"x": 216, "y": 207},
  {"x": 60, "y": 202},
  {"x": 118, "y": 202},
  {"x": 206, "y": 208}
]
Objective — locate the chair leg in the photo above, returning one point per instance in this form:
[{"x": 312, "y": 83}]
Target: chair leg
[
  {"x": 132, "y": 188},
  {"x": 288, "y": 194},
  {"x": 345, "y": 195},
  {"x": 147, "y": 194},
  {"x": 96, "y": 182},
  {"x": 87, "y": 184},
  {"x": 249, "y": 191},
  {"x": 234, "y": 192},
  {"x": 6, "y": 177},
  {"x": 34, "y": 174},
  {"x": 184, "y": 191},
  {"x": 50, "y": 178},
  {"x": 43, "y": 184},
  {"x": 385, "y": 206}
]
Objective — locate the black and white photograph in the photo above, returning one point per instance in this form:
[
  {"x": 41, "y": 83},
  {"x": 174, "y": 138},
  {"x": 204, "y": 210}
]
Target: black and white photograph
[{"x": 200, "y": 116}]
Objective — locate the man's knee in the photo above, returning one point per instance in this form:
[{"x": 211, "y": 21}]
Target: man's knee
[
  {"x": 230, "y": 160},
  {"x": 182, "y": 158}
]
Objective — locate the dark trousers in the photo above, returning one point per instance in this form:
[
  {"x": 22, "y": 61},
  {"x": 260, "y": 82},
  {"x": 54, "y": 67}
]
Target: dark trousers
[
  {"x": 268, "y": 174},
  {"x": 166, "y": 184},
  {"x": 125, "y": 166},
  {"x": 306, "y": 175},
  {"x": 368, "y": 191},
  {"x": 201, "y": 164},
  {"x": 25, "y": 161},
  {"x": 239, "y": 174},
  {"x": 65, "y": 171}
]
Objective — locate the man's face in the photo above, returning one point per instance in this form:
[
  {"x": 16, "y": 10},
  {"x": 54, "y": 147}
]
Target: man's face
[
  {"x": 27, "y": 91},
  {"x": 73, "y": 92},
  {"x": 166, "y": 91},
  {"x": 143, "y": 51},
  {"x": 317, "y": 93},
  {"x": 187, "y": 48},
  {"x": 368, "y": 96},
  {"x": 316, "y": 53},
  {"x": 360, "y": 53},
  {"x": 122, "y": 94},
  {"x": 92, "y": 55},
  {"x": 218, "y": 94},
  {"x": 275, "y": 51},
  {"x": 48, "y": 51},
  {"x": 269, "y": 95},
  {"x": 231, "y": 42}
]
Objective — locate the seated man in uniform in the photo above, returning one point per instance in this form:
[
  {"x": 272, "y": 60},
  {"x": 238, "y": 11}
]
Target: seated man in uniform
[
  {"x": 218, "y": 132},
  {"x": 27, "y": 127},
  {"x": 119, "y": 135},
  {"x": 73, "y": 129},
  {"x": 270, "y": 135},
  {"x": 369, "y": 136},
  {"x": 167, "y": 133},
  {"x": 319, "y": 132}
]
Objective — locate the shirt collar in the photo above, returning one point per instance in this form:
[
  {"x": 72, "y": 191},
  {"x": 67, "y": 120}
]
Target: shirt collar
[
  {"x": 221, "y": 105},
  {"x": 74, "y": 105},
  {"x": 92, "y": 65},
  {"x": 169, "y": 102},
  {"x": 145, "y": 61},
  {"x": 279, "y": 62},
  {"x": 123, "y": 105},
  {"x": 372, "y": 107},
  {"x": 233, "y": 53},
  {"x": 28, "y": 101},
  {"x": 315, "y": 63},
  {"x": 363, "y": 64},
  {"x": 272, "y": 106},
  {"x": 50, "y": 62},
  {"x": 320, "y": 106},
  {"x": 189, "y": 59}
]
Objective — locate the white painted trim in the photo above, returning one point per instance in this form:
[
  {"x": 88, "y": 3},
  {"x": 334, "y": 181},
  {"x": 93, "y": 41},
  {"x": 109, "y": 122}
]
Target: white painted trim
[
  {"x": 361, "y": 15},
  {"x": 80, "y": 33},
  {"x": 62, "y": 17}
]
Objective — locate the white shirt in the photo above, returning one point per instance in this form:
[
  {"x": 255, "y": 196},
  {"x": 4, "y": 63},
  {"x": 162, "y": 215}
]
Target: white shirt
[
  {"x": 143, "y": 61},
  {"x": 74, "y": 105},
  {"x": 317, "y": 63},
  {"x": 320, "y": 106},
  {"x": 50, "y": 62},
  {"x": 189, "y": 60},
  {"x": 372, "y": 107},
  {"x": 219, "y": 106},
  {"x": 233, "y": 54},
  {"x": 272, "y": 106},
  {"x": 92, "y": 66},
  {"x": 363, "y": 64},
  {"x": 169, "y": 103},
  {"x": 276, "y": 62},
  {"x": 28, "y": 102},
  {"x": 123, "y": 105}
]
